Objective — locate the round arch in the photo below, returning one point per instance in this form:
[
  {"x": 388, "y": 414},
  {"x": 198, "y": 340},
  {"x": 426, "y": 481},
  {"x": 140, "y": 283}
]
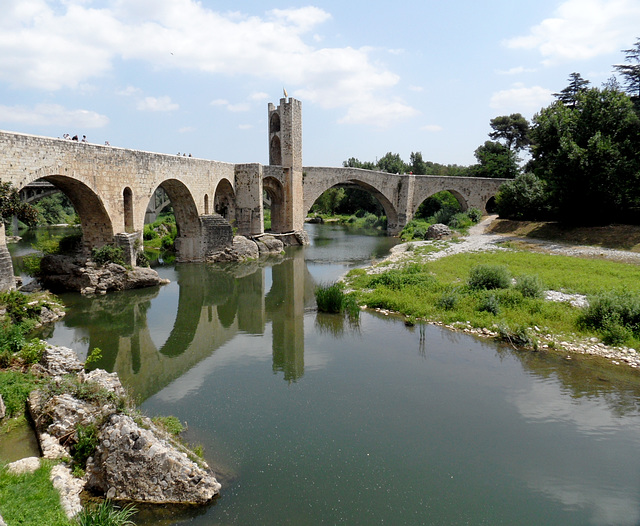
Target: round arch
[
  {"x": 224, "y": 201},
  {"x": 274, "y": 123},
  {"x": 275, "y": 151},
  {"x": 97, "y": 226},
  {"x": 187, "y": 219},
  {"x": 464, "y": 205},
  {"x": 389, "y": 210},
  {"x": 274, "y": 189}
]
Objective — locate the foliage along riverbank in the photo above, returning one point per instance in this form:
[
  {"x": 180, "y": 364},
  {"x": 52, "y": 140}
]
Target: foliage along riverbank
[{"x": 502, "y": 293}]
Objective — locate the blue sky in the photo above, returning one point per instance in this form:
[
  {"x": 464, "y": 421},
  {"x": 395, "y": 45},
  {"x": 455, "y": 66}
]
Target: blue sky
[{"x": 373, "y": 76}]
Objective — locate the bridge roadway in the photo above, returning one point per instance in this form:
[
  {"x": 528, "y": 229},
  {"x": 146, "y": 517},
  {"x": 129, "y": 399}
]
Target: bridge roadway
[{"x": 111, "y": 187}]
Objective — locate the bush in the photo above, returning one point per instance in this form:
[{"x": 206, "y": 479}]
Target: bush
[
  {"x": 530, "y": 286},
  {"x": 523, "y": 198},
  {"x": 31, "y": 352},
  {"x": 448, "y": 300},
  {"x": 612, "y": 311},
  {"x": 474, "y": 214},
  {"x": 489, "y": 277},
  {"x": 489, "y": 303},
  {"x": 108, "y": 254},
  {"x": 70, "y": 244},
  {"x": 86, "y": 443}
]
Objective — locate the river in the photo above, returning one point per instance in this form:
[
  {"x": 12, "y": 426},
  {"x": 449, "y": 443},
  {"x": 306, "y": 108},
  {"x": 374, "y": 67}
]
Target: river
[{"x": 310, "y": 419}]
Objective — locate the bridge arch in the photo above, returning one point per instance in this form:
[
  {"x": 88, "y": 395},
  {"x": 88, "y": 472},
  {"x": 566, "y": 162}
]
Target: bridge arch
[
  {"x": 275, "y": 151},
  {"x": 185, "y": 211},
  {"x": 224, "y": 200},
  {"x": 97, "y": 227},
  {"x": 273, "y": 187},
  {"x": 464, "y": 205},
  {"x": 389, "y": 208},
  {"x": 127, "y": 197}
]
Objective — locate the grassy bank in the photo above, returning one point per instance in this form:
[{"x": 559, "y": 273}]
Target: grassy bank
[{"x": 441, "y": 291}]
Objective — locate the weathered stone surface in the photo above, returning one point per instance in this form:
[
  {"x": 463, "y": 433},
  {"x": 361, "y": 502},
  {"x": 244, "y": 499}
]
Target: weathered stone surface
[
  {"x": 69, "y": 488},
  {"x": 132, "y": 463},
  {"x": 24, "y": 465},
  {"x": 3, "y": 409},
  {"x": 63, "y": 273},
  {"x": 269, "y": 245},
  {"x": 243, "y": 249},
  {"x": 6, "y": 267},
  {"x": 438, "y": 231},
  {"x": 58, "y": 361}
]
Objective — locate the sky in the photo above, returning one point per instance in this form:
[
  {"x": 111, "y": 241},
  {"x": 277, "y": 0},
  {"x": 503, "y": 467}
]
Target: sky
[{"x": 373, "y": 76}]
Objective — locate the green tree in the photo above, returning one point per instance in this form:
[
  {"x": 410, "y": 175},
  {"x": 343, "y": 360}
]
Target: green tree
[
  {"x": 329, "y": 201},
  {"x": 568, "y": 95},
  {"x": 352, "y": 162},
  {"x": 392, "y": 163},
  {"x": 494, "y": 160},
  {"x": 417, "y": 165},
  {"x": 631, "y": 70},
  {"x": 11, "y": 205},
  {"x": 588, "y": 156},
  {"x": 524, "y": 197},
  {"x": 512, "y": 129}
]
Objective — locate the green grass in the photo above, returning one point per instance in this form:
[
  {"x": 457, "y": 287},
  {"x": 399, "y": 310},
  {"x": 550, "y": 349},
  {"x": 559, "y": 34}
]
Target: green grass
[
  {"x": 42, "y": 505},
  {"x": 439, "y": 291}
]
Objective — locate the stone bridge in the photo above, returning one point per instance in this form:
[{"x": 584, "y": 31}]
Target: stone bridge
[{"x": 111, "y": 187}]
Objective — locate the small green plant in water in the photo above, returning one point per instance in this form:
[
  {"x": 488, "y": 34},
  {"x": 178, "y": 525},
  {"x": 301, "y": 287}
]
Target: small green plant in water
[
  {"x": 106, "y": 514},
  {"x": 92, "y": 358}
]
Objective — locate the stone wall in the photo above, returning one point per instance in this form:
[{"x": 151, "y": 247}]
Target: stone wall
[{"x": 7, "y": 281}]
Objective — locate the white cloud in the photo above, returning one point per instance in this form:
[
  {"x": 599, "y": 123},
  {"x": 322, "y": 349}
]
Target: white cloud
[
  {"x": 245, "y": 126},
  {"x": 52, "y": 114},
  {"x": 521, "y": 99},
  {"x": 377, "y": 113},
  {"x": 48, "y": 45},
  {"x": 416, "y": 88},
  {"x": 432, "y": 128},
  {"x": 515, "y": 71},
  {"x": 186, "y": 129},
  {"x": 583, "y": 29},
  {"x": 259, "y": 96},
  {"x": 240, "y": 106},
  {"x": 156, "y": 104}
]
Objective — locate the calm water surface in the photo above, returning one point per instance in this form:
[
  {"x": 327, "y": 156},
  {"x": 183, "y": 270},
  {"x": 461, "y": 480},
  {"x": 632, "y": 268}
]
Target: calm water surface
[{"x": 310, "y": 420}]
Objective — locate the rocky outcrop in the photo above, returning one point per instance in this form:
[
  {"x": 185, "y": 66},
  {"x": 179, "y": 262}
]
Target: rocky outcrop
[
  {"x": 269, "y": 245},
  {"x": 242, "y": 249},
  {"x": 162, "y": 474},
  {"x": 133, "y": 460},
  {"x": 438, "y": 231},
  {"x": 66, "y": 273}
]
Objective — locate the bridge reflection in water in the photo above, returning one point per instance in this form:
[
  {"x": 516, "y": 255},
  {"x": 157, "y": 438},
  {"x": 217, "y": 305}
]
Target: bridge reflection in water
[{"x": 214, "y": 305}]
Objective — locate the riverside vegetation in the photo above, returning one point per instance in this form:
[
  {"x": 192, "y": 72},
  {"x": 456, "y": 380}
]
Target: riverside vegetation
[
  {"x": 498, "y": 291},
  {"x": 19, "y": 315}
]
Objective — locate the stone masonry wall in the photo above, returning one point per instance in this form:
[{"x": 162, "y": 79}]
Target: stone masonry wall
[{"x": 7, "y": 281}]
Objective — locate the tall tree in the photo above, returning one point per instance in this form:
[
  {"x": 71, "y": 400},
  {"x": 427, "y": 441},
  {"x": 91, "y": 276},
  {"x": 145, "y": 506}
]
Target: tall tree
[
  {"x": 352, "y": 162},
  {"x": 512, "y": 129},
  {"x": 588, "y": 155},
  {"x": 495, "y": 160},
  {"x": 631, "y": 70},
  {"x": 392, "y": 163},
  {"x": 417, "y": 165},
  {"x": 568, "y": 96}
]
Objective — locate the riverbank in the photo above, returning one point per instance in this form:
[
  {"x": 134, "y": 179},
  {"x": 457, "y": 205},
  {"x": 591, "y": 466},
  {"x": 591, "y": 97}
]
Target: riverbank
[{"x": 533, "y": 327}]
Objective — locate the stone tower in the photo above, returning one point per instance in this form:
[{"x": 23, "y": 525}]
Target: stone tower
[{"x": 285, "y": 151}]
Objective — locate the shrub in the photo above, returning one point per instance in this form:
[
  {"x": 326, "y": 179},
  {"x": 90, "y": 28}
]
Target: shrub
[
  {"x": 530, "y": 286},
  {"x": 448, "y": 300},
  {"x": 489, "y": 277},
  {"x": 15, "y": 388},
  {"x": 108, "y": 254},
  {"x": 525, "y": 197},
  {"x": 521, "y": 337},
  {"x": 489, "y": 303},
  {"x": 474, "y": 214},
  {"x": 32, "y": 351},
  {"x": 70, "y": 244},
  {"x": 613, "y": 308},
  {"x": 18, "y": 307},
  {"x": 86, "y": 443}
]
